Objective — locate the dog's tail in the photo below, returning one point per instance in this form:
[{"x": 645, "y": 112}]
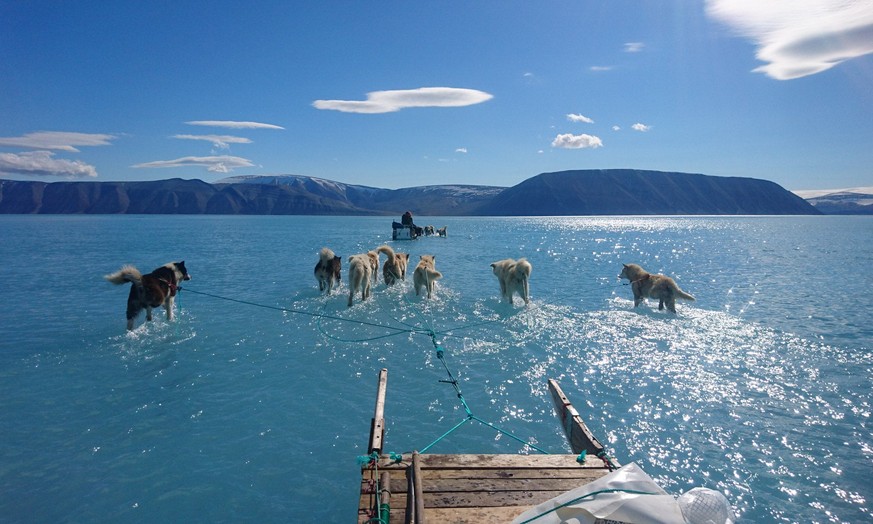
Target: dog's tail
[
  {"x": 125, "y": 274},
  {"x": 678, "y": 293},
  {"x": 433, "y": 274},
  {"x": 326, "y": 255},
  {"x": 387, "y": 251}
]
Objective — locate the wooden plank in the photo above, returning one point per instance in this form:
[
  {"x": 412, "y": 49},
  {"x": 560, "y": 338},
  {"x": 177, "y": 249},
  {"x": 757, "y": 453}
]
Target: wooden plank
[
  {"x": 418, "y": 486},
  {"x": 482, "y": 461},
  {"x": 578, "y": 434},
  {"x": 475, "y": 515},
  {"x": 377, "y": 425},
  {"x": 491, "y": 484}
]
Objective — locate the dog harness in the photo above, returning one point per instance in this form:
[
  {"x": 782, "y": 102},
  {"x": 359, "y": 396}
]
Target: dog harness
[{"x": 172, "y": 285}]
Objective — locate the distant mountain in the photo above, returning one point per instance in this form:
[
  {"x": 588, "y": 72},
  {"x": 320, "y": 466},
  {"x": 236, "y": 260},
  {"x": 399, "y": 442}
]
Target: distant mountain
[
  {"x": 424, "y": 200},
  {"x": 636, "y": 192},
  {"x": 857, "y": 201},
  {"x": 592, "y": 192}
]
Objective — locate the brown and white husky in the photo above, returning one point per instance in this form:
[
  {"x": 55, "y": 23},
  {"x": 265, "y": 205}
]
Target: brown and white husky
[
  {"x": 648, "y": 285},
  {"x": 394, "y": 268},
  {"x": 152, "y": 290},
  {"x": 327, "y": 270}
]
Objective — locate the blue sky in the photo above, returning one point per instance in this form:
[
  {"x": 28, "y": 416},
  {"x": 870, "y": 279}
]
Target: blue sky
[{"x": 401, "y": 94}]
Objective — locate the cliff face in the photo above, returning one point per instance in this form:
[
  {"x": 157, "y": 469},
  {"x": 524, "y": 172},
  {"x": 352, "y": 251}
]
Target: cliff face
[
  {"x": 595, "y": 192},
  {"x": 633, "y": 192}
]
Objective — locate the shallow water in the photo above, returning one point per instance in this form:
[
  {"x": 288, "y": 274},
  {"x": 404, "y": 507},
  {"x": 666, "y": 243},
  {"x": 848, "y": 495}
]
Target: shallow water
[{"x": 256, "y": 409}]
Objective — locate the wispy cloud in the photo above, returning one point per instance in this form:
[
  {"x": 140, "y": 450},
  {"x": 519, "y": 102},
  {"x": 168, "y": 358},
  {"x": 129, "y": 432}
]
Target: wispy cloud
[
  {"x": 633, "y": 47},
  {"x": 461, "y": 150},
  {"x": 598, "y": 69},
  {"x": 616, "y": 128},
  {"x": 641, "y": 127},
  {"x": 570, "y": 141},
  {"x": 214, "y": 164},
  {"x": 219, "y": 141},
  {"x": 57, "y": 140},
  {"x": 390, "y": 101},
  {"x": 43, "y": 163},
  {"x": 797, "y": 38},
  {"x": 233, "y": 124},
  {"x": 576, "y": 117}
]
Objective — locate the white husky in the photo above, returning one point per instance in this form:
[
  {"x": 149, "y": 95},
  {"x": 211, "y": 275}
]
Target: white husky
[
  {"x": 425, "y": 274},
  {"x": 513, "y": 276},
  {"x": 360, "y": 272}
]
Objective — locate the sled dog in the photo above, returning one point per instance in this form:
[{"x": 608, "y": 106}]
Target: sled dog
[
  {"x": 327, "y": 270},
  {"x": 425, "y": 274},
  {"x": 152, "y": 290},
  {"x": 648, "y": 285},
  {"x": 360, "y": 272},
  {"x": 373, "y": 256},
  {"x": 513, "y": 276},
  {"x": 394, "y": 268}
]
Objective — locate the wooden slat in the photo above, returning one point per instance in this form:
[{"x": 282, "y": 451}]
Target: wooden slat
[
  {"x": 492, "y": 484},
  {"x": 481, "y": 461},
  {"x": 418, "y": 487},
  {"x": 475, "y": 515},
  {"x": 377, "y": 425},
  {"x": 578, "y": 434}
]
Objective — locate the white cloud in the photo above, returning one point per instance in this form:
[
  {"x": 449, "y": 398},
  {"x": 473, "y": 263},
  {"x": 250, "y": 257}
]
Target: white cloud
[
  {"x": 633, "y": 47},
  {"x": 641, "y": 127},
  {"x": 616, "y": 128},
  {"x": 570, "y": 141},
  {"x": 797, "y": 38},
  {"x": 390, "y": 101},
  {"x": 57, "y": 140},
  {"x": 43, "y": 163},
  {"x": 215, "y": 164},
  {"x": 233, "y": 124},
  {"x": 219, "y": 141},
  {"x": 600, "y": 68},
  {"x": 575, "y": 117},
  {"x": 461, "y": 150}
]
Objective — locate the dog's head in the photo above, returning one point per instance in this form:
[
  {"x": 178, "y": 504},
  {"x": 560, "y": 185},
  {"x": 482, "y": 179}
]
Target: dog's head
[
  {"x": 181, "y": 271},
  {"x": 631, "y": 272}
]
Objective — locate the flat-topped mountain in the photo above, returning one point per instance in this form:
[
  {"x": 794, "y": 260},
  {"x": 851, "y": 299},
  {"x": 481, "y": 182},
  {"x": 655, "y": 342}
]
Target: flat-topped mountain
[
  {"x": 636, "y": 192},
  {"x": 588, "y": 192}
]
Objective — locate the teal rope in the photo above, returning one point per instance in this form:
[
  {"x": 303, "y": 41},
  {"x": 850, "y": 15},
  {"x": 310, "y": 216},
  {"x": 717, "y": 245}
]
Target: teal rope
[
  {"x": 589, "y": 495},
  {"x": 470, "y": 416},
  {"x": 410, "y": 329},
  {"x": 297, "y": 311}
]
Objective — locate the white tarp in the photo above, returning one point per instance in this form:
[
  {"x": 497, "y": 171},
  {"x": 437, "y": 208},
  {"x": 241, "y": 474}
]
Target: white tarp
[{"x": 627, "y": 495}]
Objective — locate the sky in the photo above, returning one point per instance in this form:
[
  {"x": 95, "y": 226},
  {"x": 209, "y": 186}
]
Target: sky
[{"x": 399, "y": 94}]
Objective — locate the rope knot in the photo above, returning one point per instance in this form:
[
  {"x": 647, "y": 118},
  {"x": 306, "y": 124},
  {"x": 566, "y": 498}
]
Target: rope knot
[{"x": 372, "y": 458}]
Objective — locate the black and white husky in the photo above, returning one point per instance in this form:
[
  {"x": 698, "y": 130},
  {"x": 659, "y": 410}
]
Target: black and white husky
[{"x": 152, "y": 290}]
